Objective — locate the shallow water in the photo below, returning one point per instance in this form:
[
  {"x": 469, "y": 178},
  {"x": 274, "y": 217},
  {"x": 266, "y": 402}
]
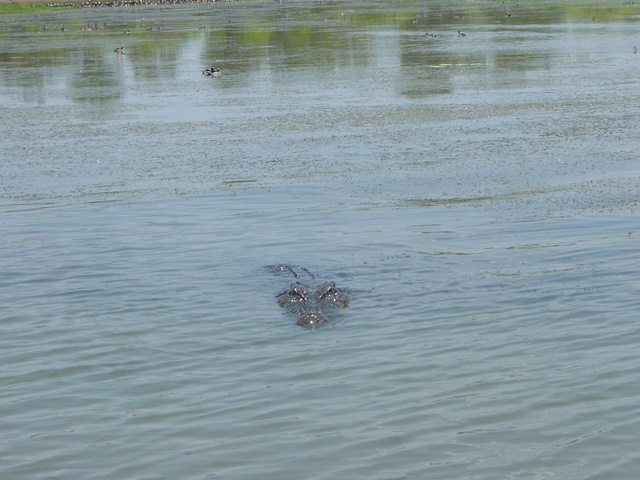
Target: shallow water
[{"x": 478, "y": 197}]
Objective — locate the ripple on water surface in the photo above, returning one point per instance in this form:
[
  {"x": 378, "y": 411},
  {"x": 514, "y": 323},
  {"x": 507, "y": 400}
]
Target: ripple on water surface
[{"x": 476, "y": 195}]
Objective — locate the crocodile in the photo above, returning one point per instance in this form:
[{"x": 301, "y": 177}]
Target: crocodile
[{"x": 313, "y": 304}]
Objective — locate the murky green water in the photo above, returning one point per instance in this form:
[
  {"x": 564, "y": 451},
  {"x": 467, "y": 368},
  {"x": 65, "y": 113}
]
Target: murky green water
[{"x": 478, "y": 195}]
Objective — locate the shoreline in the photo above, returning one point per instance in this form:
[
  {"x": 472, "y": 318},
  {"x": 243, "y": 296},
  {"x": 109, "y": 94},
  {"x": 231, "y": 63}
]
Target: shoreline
[
  {"x": 24, "y": 5},
  {"x": 24, "y": 2}
]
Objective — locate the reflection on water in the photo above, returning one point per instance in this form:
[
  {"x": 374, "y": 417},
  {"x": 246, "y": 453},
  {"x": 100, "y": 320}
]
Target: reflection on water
[{"x": 69, "y": 55}]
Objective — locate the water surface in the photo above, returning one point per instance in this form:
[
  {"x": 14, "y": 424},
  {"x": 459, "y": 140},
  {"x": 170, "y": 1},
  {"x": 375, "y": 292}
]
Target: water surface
[{"x": 477, "y": 195}]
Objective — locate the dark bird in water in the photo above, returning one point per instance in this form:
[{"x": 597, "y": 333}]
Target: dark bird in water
[
  {"x": 461, "y": 34},
  {"x": 430, "y": 35},
  {"x": 119, "y": 50},
  {"x": 212, "y": 72}
]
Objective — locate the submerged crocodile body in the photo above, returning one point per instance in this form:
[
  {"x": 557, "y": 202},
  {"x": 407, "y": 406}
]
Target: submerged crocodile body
[{"x": 312, "y": 304}]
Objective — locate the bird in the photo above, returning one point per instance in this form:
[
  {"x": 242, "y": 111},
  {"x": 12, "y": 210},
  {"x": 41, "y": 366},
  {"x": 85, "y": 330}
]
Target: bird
[
  {"x": 119, "y": 50},
  {"x": 461, "y": 34},
  {"x": 212, "y": 72},
  {"x": 430, "y": 35}
]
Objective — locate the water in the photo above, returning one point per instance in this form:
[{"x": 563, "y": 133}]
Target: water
[{"x": 478, "y": 196}]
